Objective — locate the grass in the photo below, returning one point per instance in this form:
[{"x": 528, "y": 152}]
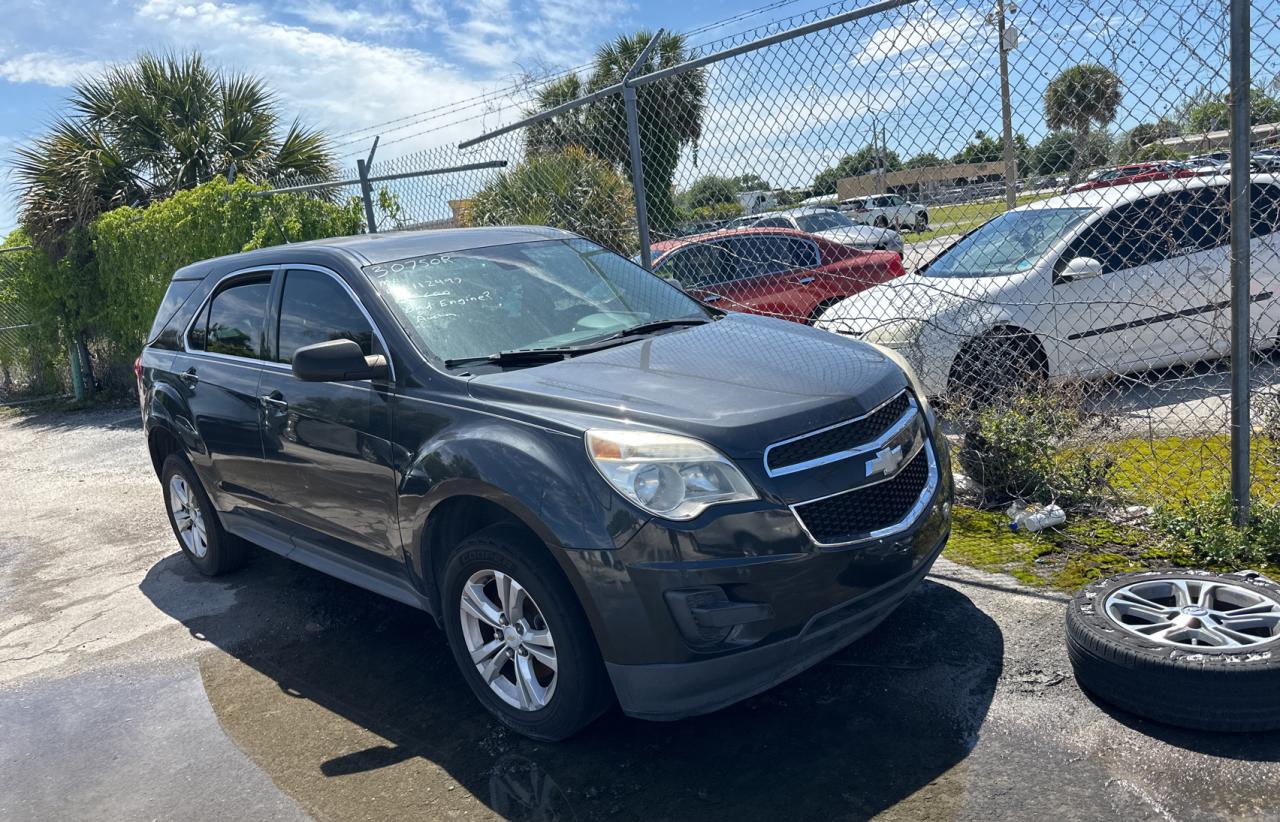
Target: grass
[
  {"x": 1168, "y": 472},
  {"x": 961, "y": 217}
]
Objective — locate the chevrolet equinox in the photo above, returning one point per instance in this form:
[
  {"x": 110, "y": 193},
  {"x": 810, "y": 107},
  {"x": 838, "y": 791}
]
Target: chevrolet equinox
[{"x": 600, "y": 488}]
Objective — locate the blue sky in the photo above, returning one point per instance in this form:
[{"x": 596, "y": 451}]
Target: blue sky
[{"x": 926, "y": 73}]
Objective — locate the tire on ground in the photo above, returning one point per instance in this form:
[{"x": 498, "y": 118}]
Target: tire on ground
[
  {"x": 1214, "y": 689},
  {"x": 224, "y": 552},
  {"x": 582, "y": 690}
]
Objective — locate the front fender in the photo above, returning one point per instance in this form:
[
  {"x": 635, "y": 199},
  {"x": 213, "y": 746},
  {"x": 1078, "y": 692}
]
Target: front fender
[{"x": 541, "y": 477}]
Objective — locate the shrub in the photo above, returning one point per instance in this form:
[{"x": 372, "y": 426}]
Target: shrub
[
  {"x": 719, "y": 211},
  {"x": 138, "y": 249},
  {"x": 1033, "y": 448},
  {"x": 1205, "y": 526},
  {"x": 571, "y": 189},
  {"x": 37, "y": 298}
]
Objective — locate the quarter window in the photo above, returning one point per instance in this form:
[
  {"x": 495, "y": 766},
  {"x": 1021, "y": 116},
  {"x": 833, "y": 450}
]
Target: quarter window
[
  {"x": 236, "y": 318},
  {"x": 315, "y": 308}
]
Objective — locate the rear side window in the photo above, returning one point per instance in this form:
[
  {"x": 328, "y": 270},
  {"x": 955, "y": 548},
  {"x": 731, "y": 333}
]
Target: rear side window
[
  {"x": 1264, "y": 211},
  {"x": 174, "y": 297},
  {"x": 772, "y": 255},
  {"x": 236, "y": 319},
  {"x": 315, "y": 308},
  {"x": 701, "y": 264}
]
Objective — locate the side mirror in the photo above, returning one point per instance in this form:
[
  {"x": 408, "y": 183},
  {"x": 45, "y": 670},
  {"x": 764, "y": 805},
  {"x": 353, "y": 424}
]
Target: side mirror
[
  {"x": 1081, "y": 268},
  {"x": 337, "y": 361}
]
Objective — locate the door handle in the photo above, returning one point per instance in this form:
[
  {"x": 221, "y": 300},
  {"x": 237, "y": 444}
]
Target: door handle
[
  {"x": 274, "y": 401},
  {"x": 189, "y": 376},
  {"x": 710, "y": 298},
  {"x": 805, "y": 280}
]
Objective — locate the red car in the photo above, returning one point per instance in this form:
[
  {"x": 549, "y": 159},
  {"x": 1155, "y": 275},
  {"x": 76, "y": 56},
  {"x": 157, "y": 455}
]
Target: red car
[
  {"x": 774, "y": 271},
  {"x": 1136, "y": 173}
]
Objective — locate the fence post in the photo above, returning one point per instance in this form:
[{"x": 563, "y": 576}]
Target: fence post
[
  {"x": 366, "y": 188},
  {"x": 366, "y": 194},
  {"x": 1240, "y": 133},
  {"x": 637, "y": 162}
]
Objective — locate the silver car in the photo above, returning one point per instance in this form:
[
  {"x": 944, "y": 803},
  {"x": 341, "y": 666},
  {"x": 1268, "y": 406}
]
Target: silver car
[{"x": 834, "y": 226}]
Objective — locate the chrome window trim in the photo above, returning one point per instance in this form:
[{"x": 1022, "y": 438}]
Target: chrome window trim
[
  {"x": 913, "y": 410},
  {"x": 271, "y": 271},
  {"x": 923, "y": 502}
]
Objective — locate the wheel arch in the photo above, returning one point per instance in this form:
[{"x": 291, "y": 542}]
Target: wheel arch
[{"x": 1002, "y": 330}]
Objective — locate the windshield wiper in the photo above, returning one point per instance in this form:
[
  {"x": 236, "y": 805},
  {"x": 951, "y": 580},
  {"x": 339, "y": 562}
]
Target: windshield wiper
[
  {"x": 657, "y": 325},
  {"x": 520, "y": 355}
]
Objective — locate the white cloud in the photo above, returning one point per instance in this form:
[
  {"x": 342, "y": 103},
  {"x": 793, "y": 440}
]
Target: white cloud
[
  {"x": 46, "y": 68},
  {"x": 332, "y": 80},
  {"x": 928, "y": 31}
]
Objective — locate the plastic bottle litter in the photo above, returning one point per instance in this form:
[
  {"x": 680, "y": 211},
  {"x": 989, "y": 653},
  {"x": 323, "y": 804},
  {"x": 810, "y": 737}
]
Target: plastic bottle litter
[{"x": 1023, "y": 517}]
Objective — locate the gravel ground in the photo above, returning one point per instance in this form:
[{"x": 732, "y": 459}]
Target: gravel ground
[{"x": 132, "y": 688}]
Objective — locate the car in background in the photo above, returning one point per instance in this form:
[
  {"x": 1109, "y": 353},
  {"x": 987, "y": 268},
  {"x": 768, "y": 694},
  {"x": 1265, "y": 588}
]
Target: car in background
[
  {"x": 1084, "y": 284},
  {"x": 886, "y": 210},
  {"x": 830, "y": 225},
  {"x": 772, "y": 271},
  {"x": 1134, "y": 173}
]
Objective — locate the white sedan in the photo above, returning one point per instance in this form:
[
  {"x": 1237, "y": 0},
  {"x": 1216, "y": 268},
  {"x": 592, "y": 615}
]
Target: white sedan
[{"x": 1084, "y": 284}]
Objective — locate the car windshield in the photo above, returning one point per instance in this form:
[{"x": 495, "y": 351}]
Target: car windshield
[
  {"x": 543, "y": 294},
  {"x": 1008, "y": 244},
  {"x": 822, "y": 221}
]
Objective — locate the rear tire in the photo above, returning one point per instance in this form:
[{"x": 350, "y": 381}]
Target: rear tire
[
  {"x": 195, "y": 521},
  {"x": 881, "y": 222},
  {"x": 508, "y": 610},
  {"x": 922, "y": 222}
]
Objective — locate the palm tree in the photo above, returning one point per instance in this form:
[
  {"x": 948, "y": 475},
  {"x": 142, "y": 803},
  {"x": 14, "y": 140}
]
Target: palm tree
[
  {"x": 554, "y": 135},
  {"x": 142, "y": 131},
  {"x": 1076, "y": 99},
  {"x": 670, "y": 114}
]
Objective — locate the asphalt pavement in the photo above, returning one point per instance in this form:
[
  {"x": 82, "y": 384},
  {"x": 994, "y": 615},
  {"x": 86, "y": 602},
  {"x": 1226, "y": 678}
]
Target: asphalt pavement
[{"x": 133, "y": 688}]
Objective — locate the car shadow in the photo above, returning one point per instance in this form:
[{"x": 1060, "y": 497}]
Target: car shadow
[
  {"x": 853, "y": 736},
  {"x": 1246, "y": 747}
]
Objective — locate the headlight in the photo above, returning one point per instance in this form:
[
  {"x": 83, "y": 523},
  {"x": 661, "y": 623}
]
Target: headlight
[
  {"x": 917, "y": 387},
  {"x": 668, "y": 475}
]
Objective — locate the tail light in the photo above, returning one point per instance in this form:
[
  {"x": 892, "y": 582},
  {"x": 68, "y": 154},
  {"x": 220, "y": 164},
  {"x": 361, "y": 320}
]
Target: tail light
[{"x": 137, "y": 374}]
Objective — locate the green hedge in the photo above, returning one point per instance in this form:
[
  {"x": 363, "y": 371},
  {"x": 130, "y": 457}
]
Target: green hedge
[{"x": 138, "y": 249}]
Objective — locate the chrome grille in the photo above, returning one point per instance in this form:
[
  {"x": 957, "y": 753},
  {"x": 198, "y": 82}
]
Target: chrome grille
[
  {"x": 839, "y": 441},
  {"x": 875, "y": 510}
]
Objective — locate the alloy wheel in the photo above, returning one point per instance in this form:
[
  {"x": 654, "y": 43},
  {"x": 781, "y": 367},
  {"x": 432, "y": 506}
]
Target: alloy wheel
[
  {"x": 508, "y": 640},
  {"x": 187, "y": 516},
  {"x": 1195, "y": 614}
]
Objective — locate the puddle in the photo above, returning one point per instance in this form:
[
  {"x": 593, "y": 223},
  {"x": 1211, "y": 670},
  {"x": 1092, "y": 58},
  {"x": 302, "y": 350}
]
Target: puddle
[{"x": 353, "y": 707}]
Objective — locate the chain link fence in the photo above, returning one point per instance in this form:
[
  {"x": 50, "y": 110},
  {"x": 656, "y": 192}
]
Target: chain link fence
[
  {"x": 1031, "y": 203},
  {"x": 21, "y": 367}
]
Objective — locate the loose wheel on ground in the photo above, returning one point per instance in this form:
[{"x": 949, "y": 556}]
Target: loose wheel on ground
[{"x": 1187, "y": 648}]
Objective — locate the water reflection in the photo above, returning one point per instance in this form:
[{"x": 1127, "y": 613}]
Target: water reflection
[{"x": 350, "y": 702}]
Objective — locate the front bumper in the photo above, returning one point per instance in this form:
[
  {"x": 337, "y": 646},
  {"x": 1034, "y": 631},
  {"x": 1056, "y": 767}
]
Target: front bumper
[
  {"x": 668, "y": 691},
  {"x": 691, "y": 617}
]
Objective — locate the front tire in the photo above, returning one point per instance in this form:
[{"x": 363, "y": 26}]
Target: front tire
[
  {"x": 994, "y": 368},
  {"x": 922, "y": 222},
  {"x": 519, "y": 636},
  {"x": 195, "y": 521}
]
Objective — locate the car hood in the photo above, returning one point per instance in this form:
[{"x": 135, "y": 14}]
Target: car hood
[
  {"x": 739, "y": 383},
  {"x": 910, "y": 297},
  {"x": 864, "y": 236}
]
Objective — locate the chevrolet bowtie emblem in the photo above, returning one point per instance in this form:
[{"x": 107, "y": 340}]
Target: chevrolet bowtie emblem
[{"x": 886, "y": 461}]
